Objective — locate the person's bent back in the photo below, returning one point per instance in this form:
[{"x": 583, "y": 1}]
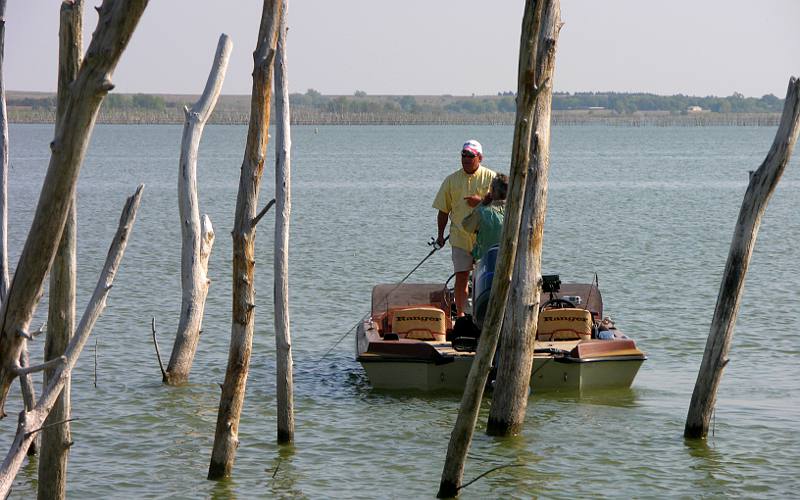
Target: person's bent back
[{"x": 487, "y": 218}]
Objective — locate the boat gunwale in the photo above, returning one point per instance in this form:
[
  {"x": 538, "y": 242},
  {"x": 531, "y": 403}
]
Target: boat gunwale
[{"x": 569, "y": 359}]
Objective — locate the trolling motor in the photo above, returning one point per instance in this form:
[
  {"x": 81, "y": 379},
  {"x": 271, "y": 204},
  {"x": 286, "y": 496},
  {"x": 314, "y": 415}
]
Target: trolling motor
[{"x": 551, "y": 284}]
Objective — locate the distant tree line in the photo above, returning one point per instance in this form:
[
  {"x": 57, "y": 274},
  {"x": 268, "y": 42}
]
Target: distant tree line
[
  {"x": 135, "y": 101},
  {"x": 504, "y": 102},
  {"x": 112, "y": 101},
  {"x": 631, "y": 102},
  {"x": 34, "y": 102},
  {"x": 359, "y": 103}
]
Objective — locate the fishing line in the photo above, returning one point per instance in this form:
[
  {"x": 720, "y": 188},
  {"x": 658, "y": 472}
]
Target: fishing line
[{"x": 435, "y": 248}]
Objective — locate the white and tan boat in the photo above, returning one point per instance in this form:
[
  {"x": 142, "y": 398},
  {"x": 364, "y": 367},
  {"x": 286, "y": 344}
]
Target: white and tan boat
[{"x": 408, "y": 341}]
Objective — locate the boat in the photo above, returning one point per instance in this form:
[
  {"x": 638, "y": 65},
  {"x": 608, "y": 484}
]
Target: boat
[{"x": 410, "y": 341}]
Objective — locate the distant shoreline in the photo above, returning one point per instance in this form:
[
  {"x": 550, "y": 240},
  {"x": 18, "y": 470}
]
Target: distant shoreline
[
  {"x": 313, "y": 108},
  {"x": 559, "y": 118}
]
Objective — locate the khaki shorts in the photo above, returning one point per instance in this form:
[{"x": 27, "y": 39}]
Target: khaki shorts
[{"x": 462, "y": 260}]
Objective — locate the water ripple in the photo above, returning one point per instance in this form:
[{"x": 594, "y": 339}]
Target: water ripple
[{"x": 650, "y": 210}]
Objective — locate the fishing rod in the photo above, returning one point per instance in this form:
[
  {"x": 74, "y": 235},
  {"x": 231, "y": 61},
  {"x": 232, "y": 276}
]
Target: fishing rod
[
  {"x": 596, "y": 284},
  {"x": 435, "y": 248}
]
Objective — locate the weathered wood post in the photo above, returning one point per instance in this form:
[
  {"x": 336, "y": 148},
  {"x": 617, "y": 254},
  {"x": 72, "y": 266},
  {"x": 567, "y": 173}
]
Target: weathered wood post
[
  {"x": 461, "y": 437},
  {"x": 30, "y": 422},
  {"x": 512, "y": 385},
  {"x": 226, "y": 438},
  {"x": 3, "y": 163},
  {"x": 759, "y": 191},
  {"x": 283, "y": 211},
  {"x": 117, "y": 21},
  {"x": 26, "y": 385},
  {"x": 56, "y": 438},
  {"x": 197, "y": 237}
]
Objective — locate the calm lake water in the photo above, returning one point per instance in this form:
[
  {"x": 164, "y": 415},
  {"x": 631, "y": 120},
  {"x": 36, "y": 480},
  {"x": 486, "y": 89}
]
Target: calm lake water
[{"x": 651, "y": 210}]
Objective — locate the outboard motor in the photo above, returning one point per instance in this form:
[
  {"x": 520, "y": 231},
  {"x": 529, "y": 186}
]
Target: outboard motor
[{"x": 482, "y": 285}]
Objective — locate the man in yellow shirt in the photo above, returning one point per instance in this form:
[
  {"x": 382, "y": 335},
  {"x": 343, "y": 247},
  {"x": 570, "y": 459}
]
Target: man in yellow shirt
[{"x": 460, "y": 192}]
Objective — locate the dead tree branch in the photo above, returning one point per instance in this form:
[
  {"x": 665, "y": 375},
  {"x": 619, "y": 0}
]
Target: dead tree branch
[
  {"x": 197, "y": 235},
  {"x": 759, "y": 191},
  {"x": 515, "y": 356},
  {"x": 4, "y": 280},
  {"x": 284, "y": 384},
  {"x": 158, "y": 353},
  {"x": 117, "y": 21},
  {"x": 29, "y": 421},
  {"x": 464, "y": 428},
  {"x": 61, "y": 312},
  {"x": 226, "y": 437},
  {"x": 53, "y": 363},
  {"x": 263, "y": 212}
]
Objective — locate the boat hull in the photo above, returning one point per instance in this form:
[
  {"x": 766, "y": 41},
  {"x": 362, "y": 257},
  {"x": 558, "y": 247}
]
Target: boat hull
[
  {"x": 546, "y": 375},
  {"x": 552, "y": 374},
  {"x": 436, "y": 367},
  {"x": 416, "y": 375}
]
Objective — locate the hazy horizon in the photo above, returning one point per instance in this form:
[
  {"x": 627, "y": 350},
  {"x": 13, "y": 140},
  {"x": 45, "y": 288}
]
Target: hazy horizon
[
  {"x": 247, "y": 95},
  {"x": 446, "y": 47}
]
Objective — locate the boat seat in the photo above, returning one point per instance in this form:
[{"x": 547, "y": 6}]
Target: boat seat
[
  {"x": 564, "y": 324},
  {"x": 419, "y": 323}
]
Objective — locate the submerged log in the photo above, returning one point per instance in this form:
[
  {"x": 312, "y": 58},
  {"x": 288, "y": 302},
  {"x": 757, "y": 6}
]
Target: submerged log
[
  {"x": 117, "y": 21},
  {"x": 759, "y": 191},
  {"x": 197, "y": 237},
  {"x": 283, "y": 210},
  {"x": 461, "y": 437},
  {"x": 56, "y": 436},
  {"x": 226, "y": 438},
  {"x": 515, "y": 357}
]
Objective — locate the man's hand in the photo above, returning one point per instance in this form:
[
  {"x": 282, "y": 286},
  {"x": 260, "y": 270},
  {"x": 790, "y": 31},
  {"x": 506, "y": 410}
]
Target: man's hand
[
  {"x": 473, "y": 200},
  {"x": 440, "y": 241}
]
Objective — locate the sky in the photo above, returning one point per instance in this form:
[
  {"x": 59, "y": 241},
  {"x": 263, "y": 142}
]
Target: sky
[{"x": 435, "y": 47}]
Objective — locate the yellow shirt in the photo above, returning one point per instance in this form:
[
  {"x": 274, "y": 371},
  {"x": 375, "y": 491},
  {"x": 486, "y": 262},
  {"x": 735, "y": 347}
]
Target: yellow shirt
[{"x": 450, "y": 199}]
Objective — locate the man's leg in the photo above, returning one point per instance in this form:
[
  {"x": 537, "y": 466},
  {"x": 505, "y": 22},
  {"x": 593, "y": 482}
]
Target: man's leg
[
  {"x": 461, "y": 291},
  {"x": 462, "y": 265}
]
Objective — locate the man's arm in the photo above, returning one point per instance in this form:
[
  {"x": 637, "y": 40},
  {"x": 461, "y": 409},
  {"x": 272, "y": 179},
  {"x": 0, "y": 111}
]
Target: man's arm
[
  {"x": 472, "y": 222},
  {"x": 441, "y": 222},
  {"x": 474, "y": 200}
]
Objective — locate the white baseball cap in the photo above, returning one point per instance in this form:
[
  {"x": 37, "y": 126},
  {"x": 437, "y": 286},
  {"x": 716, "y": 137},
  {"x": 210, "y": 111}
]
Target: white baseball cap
[{"x": 473, "y": 147}]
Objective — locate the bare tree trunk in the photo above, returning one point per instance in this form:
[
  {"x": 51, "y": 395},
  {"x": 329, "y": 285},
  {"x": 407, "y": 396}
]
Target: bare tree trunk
[
  {"x": 226, "y": 437},
  {"x": 56, "y": 436},
  {"x": 28, "y": 393},
  {"x": 3, "y": 164},
  {"x": 25, "y": 383},
  {"x": 461, "y": 437},
  {"x": 759, "y": 191},
  {"x": 283, "y": 208},
  {"x": 197, "y": 238},
  {"x": 30, "y": 422},
  {"x": 117, "y": 20},
  {"x": 512, "y": 385}
]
